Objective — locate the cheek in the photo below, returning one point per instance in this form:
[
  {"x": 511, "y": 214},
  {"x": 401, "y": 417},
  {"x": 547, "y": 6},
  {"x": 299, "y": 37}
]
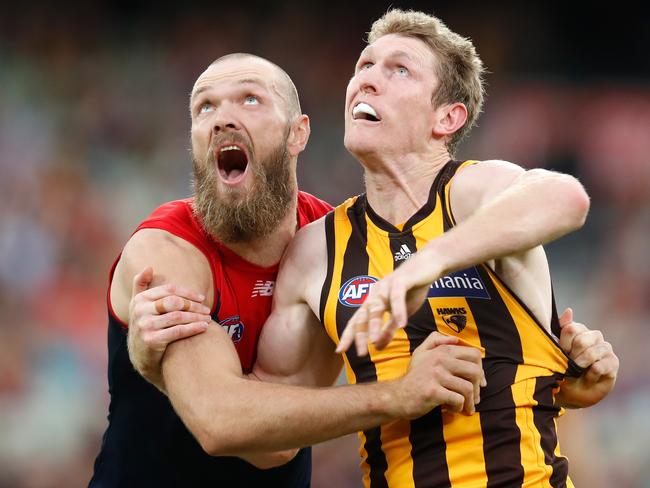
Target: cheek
[
  {"x": 350, "y": 90},
  {"x": 199, "y": 135},
  {"x": 265, "y": 138}
]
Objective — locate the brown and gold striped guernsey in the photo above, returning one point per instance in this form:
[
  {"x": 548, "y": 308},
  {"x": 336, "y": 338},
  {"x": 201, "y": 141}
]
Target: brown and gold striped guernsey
[{"x": 511, "y": 440}]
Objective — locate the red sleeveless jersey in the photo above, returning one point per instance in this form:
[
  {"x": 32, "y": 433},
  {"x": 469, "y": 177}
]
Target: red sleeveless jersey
[{"x": 243, "y": 290}]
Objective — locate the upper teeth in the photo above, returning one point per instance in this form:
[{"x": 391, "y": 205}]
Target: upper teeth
[
  {"x": 364, "y": 108},
  {"x": 229, "y": 148}
]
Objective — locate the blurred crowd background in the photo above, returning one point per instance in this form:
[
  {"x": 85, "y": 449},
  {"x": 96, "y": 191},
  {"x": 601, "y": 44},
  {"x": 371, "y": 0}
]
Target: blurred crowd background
[{"x": 94, "y": 134}]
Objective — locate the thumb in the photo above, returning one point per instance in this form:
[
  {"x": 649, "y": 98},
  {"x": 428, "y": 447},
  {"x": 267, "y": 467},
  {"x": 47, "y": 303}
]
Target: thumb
[
  {"x": 142, "y": 280},
  {"x": 437, "y": 339},
  {"x": 567, "y": 317}
]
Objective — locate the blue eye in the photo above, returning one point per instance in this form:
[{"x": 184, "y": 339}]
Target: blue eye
[
  {"x": 402, "y": 71},
  {"x": 366, "y": 66},
  {"x": 251, "y": 100},
  {"x": 205, "y": 108}
]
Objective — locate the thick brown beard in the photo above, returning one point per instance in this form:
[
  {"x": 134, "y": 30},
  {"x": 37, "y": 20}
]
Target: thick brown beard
[{"x": 253, "y": 216}]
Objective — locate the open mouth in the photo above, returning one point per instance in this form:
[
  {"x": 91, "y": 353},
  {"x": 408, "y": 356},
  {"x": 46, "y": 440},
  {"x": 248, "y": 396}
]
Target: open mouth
[
  {"x": 232, "y": 162},
  {"x": 363, "y": 111}
]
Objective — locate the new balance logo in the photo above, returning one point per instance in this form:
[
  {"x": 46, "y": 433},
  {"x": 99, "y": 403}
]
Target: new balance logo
[
  {"x": 263, "y": 288},
  {"x": 403, "y": 254}
]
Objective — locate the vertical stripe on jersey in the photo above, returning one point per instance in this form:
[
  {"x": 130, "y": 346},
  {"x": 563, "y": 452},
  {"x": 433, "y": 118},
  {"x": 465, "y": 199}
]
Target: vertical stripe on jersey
[
  {"x": 544, "y": 415},
  {"x": 465, "y": 457},
  {"x": 462, "y": 434},
  {"x": 501, "y": 436},
  {"x": 445, "y": 191},
  {"x": 426, "y": 436},
  {"x": 331, "y": 253},
  {"x": 541, "y": 356},
  {"x": 539, "y": 347},
  {"x": 536, "y": 471},
  {"x": 355, "y": 263},
  {"x": 340, "y": 229},
  {"x": 391, "y": 363},
  {"x": 435, "y": 226}
]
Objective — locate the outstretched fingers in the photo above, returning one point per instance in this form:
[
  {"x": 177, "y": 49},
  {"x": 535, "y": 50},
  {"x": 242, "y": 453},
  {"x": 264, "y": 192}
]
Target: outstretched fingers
[
  {"x": 378, "y": 318},
  {"x": 393, "y": 305}
]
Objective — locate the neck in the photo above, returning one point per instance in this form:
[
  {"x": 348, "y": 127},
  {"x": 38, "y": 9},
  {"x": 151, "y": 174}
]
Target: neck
[
  {"x": 397, "y": 187},
  {"x": 267, "y": 250}
]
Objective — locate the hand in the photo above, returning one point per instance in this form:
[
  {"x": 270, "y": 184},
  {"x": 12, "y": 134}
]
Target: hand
[
  {"x": 441, "y": 373},
  {"x": 158, "y": 317},
  {"x": 590, "y": 351},
  {"x": 389, "y": 304}
]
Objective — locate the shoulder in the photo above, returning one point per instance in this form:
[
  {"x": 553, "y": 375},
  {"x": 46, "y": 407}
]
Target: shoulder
[
  {"x": 486, "y": 174},
  {"x": 158, "y": 244},
  {"x": 308, "y": 247},
  {"x": 304, "y": 263},
  {"x": 475, "y": 184},
  {"x": 173, "y": 259}
]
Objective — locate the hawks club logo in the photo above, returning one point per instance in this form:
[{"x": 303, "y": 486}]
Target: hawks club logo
[
  {"x": 233, "y": 327},
  {"x": 355, "y": 291}
]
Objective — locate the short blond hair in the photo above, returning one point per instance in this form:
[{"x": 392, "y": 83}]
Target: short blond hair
[{"x": 460, "y": 70}]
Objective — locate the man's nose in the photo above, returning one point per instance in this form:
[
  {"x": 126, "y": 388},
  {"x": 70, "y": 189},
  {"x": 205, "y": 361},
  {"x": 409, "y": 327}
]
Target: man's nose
[
  {"x": 369, "y": 82},
  {"x": 224, "y": 120}
]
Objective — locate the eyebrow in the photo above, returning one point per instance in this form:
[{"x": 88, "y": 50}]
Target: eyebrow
[
  {"x": 393, "y": 54},
  {"x": 244, "y": 81}
]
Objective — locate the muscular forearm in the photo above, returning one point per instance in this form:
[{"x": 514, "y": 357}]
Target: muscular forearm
[
  {"x": 232, "y": 415},
  {"x": 239, "y": 416},
  {"x": 538, "y": 208}
]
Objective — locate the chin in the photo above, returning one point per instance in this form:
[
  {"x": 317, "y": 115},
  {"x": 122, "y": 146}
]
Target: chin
[{"x": 359, "y": 147}]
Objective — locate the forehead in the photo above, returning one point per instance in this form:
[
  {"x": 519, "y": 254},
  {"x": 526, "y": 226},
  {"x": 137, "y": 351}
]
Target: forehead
[
  {"x": 397, "y": 45},
  {"x": 237, "y": 71}
]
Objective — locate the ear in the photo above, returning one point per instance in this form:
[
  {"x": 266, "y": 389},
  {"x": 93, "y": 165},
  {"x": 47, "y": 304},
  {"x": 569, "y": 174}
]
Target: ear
[
  {"x": 449, "y": 118},
  {"x": 298, "y": 135}
]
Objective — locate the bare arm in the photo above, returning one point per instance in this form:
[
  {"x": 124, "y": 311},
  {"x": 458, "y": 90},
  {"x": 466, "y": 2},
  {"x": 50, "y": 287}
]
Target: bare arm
[
  {"x": 231, "y": 415},
  {"x": 175, "y": 261},
  {"x": 294, "y": 347},
  {"x": 516, "y": 212},
  {"x": 150, "y": 332},
  {"x": 296, "y": 352}
]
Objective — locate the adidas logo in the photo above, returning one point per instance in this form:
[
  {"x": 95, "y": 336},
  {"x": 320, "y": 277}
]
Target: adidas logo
[{"x": 403, "y": 254}]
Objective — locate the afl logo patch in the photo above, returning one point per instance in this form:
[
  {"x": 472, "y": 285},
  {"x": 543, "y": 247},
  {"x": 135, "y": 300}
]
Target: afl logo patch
[
  {"x": 355, "y": 291},
  {"x": 233, "y": 327}
]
